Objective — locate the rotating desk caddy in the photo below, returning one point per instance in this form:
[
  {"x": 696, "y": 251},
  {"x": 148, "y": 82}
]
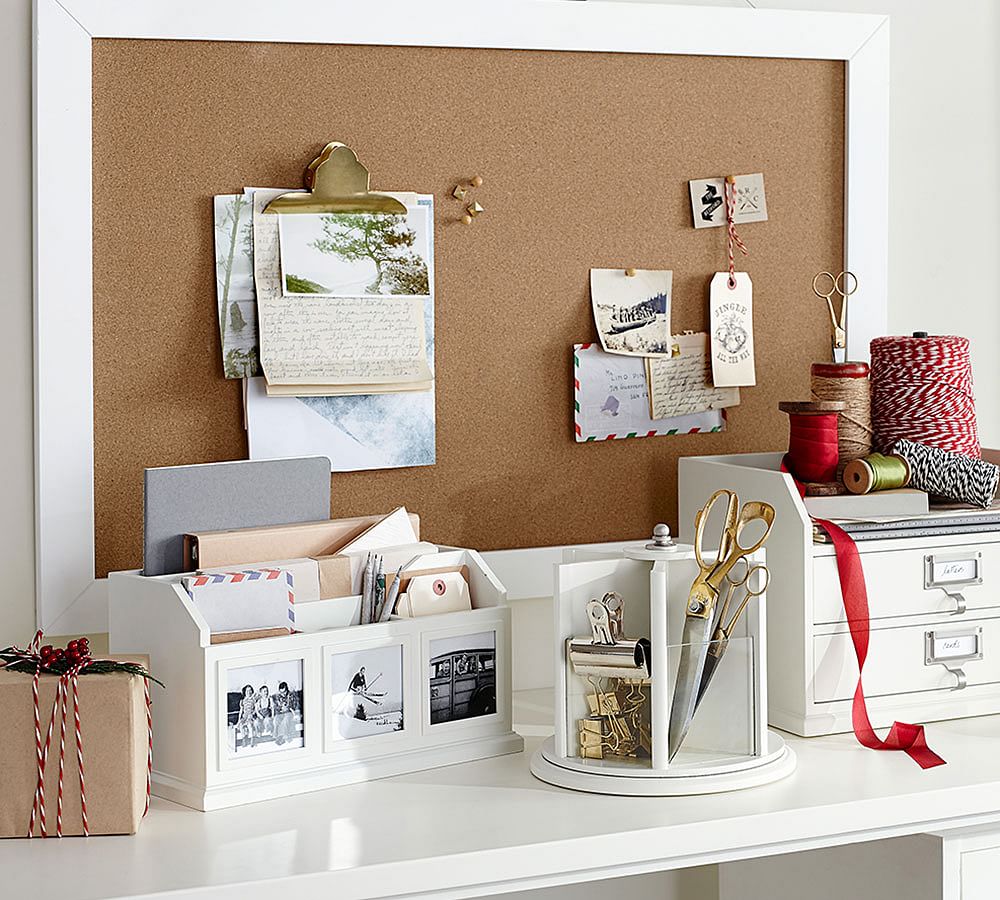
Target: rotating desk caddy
[{"x": 619, "y": 617}]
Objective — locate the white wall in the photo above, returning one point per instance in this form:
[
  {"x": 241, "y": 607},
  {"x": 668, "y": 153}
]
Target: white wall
[{"x": 17, "y": 567}]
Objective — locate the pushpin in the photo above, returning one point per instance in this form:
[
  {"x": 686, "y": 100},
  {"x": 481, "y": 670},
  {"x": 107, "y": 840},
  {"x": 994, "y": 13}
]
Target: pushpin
[{"x": 630, "y": 273}]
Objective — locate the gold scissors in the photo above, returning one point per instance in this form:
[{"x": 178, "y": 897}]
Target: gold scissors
[
  {"x": 700, "y": 619},
  {"x": 738, "y": 577},
  {"x": 838, "y": 285}
]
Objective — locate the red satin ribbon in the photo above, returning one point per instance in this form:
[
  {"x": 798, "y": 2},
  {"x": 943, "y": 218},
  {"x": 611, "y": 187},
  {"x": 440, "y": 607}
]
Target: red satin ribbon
[
  {"x": 908, "y": 738},
  {"x": 812, "y": 447}
]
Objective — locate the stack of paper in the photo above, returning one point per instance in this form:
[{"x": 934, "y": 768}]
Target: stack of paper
[
  {"x": 337, "y": 312},
  {"x": 340, "y": 299}
]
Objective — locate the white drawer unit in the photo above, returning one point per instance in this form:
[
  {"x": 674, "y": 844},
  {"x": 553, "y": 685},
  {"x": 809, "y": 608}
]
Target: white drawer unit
[
  {"x": 934, "y": 604},
  {"x": 924, "y": 580}
]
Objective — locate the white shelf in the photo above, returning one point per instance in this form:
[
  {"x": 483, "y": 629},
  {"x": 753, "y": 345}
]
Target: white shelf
[{"x": 489, "y": 826}]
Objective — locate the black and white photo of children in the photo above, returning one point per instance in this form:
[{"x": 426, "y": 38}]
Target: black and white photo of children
[
  {"x": 264, "y": 708},
  {"x": 367, "y": 692}
]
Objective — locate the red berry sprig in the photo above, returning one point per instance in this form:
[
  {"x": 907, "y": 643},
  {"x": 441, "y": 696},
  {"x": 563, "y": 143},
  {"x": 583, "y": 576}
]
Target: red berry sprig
[
  {"x": 75, "y": 653},
  {"x": 75, "y": 656}
]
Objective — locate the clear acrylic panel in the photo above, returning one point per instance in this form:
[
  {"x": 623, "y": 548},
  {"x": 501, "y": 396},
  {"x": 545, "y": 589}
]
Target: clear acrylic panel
[
  {"x": 724, "y": 724},
  {"x": 609, "y": 718}
]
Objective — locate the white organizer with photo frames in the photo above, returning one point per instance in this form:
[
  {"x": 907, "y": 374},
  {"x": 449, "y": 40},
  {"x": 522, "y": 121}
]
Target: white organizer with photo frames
[{"x": 447, "y": 663}]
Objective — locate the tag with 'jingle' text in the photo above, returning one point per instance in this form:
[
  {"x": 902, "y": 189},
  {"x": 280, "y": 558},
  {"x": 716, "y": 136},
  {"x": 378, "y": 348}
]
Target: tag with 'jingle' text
[{"x": 732, "y": 330}]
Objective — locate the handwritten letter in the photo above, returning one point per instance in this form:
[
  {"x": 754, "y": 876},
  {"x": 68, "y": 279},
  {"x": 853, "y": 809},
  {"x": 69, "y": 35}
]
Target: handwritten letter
[
  {"x": 681, "y": 385},
  {"x": 333, "y": 340}
]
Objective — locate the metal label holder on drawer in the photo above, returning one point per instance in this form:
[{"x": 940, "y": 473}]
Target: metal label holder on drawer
[{"x": 923, "y": 592}]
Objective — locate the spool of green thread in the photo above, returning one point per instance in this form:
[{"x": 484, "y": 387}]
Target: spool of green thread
[{"x": 876, "y": 472}]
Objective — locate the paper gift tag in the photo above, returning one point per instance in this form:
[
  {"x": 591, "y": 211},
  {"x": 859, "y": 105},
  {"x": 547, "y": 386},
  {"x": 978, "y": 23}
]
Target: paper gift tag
[{"x": 732, "y": 331}]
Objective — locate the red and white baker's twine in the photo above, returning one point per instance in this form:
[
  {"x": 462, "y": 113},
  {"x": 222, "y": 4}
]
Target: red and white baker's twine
[
  {"x": 922, "y": 392},
  {"x": 729, "y": 193},
  {"x": 67, "y": 682}
]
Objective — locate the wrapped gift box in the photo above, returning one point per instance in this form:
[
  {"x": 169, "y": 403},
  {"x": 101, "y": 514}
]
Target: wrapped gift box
[{"x": 115, "y": 734}]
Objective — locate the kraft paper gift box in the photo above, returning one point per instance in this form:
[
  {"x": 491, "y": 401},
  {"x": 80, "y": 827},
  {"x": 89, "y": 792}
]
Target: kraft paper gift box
[{"x": 115, "y": 735}]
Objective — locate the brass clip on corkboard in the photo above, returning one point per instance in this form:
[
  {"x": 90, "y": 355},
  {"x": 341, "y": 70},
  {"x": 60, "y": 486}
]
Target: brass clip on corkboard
[{"x": 337, "y": 183}]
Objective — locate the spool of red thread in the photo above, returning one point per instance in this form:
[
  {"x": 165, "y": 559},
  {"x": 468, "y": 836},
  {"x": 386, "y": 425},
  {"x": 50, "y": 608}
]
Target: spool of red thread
[{"x": 813, "y": 444}]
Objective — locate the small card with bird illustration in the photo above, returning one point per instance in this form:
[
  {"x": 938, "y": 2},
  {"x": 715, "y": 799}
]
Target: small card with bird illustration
[
  {"x": 356, "y": 254},
  {"x": 632, "y": 310}
]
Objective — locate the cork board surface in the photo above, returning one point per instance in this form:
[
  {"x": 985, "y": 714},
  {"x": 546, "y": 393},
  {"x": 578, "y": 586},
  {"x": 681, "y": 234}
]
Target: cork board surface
[{"x": 586, "y": 159}]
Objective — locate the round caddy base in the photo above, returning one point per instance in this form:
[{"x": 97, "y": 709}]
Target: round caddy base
[{"x": 776, "y": 763}]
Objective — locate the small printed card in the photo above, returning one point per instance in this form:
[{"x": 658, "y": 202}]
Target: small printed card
[
  {"x": 611, "y": 400},
  {"x": 732, "y": 331},
  {"x": 632, "y": 312},
  {"x": 708, "y": 203},
  {"x": 234, "y": 288},
  {"x": 682, "y": 385}
]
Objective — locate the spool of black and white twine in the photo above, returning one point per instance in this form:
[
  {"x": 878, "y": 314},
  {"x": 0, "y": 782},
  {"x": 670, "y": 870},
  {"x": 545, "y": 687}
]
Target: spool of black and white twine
[{"x": 954, "y": 476}]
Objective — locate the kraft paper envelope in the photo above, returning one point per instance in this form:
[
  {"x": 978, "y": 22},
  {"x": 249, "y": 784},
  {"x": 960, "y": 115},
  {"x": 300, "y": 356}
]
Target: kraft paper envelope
[{"x": 248, "y": 546}]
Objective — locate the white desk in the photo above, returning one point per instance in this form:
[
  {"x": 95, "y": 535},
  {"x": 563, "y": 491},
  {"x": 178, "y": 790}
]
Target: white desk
[{"x": 489, "y": 826}]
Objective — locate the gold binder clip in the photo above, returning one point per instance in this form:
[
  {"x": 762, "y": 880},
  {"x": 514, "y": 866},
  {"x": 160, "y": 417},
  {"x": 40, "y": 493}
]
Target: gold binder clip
[{"x": 336, "y": 183}]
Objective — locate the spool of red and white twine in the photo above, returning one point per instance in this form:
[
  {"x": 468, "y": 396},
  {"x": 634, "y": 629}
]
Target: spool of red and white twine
[
  {"x": 39, "y": 659},
  {"x": 922, "y": 392}
]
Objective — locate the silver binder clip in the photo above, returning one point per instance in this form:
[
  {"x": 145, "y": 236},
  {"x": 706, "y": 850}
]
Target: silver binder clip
[{"x": 608, "y": 654}]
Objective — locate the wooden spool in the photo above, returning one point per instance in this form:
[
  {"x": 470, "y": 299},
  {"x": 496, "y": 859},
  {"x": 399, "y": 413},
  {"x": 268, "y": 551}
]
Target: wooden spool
[{"x": 816, "y": 408}]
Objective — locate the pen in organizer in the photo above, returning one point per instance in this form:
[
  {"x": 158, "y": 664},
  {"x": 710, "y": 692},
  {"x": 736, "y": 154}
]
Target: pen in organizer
[
  {"x": 366, "y": 587},
  {"x": 378, "y": 589},
  {"x": 390, "y": 600}
]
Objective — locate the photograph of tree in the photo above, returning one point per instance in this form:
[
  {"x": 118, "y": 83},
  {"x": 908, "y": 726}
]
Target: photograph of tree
[
  {"x": 237, "y": 299},
  {"x": 350, "y": 255}
]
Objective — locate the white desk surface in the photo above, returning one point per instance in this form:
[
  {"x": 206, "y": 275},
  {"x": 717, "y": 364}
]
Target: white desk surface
[{"x": 489, "y": 826}]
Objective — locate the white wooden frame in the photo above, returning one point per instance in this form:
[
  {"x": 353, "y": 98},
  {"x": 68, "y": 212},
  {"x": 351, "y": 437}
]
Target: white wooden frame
[{"x": 69, "y": 599}]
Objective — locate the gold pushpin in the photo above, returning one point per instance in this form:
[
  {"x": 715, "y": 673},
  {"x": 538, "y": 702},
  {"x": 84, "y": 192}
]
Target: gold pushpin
[
  {"x": 630, "y": 273},
  {"x": 477, "y": 181},
  {"x": 459, "y": 192},
  {"x": 474, "y": 208}
]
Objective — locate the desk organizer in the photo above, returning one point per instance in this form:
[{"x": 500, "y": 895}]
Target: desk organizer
[
  {"x": 728, "y": 745},
  {"x": 442, "y": 684},
  {"x": 933, "y": 602}
]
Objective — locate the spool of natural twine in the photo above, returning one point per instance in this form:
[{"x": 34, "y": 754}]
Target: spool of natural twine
[{"x": 846, "y": 383}]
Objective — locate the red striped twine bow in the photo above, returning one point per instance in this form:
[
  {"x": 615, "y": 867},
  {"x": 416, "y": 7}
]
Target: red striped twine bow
[
  {"x": 922, "y": 392},
  {"x": 729, "y": 193},
  {"x": 67, "y": 691}
]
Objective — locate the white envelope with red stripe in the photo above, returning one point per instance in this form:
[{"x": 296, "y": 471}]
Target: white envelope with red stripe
[{"x": 248, "y": 600}]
